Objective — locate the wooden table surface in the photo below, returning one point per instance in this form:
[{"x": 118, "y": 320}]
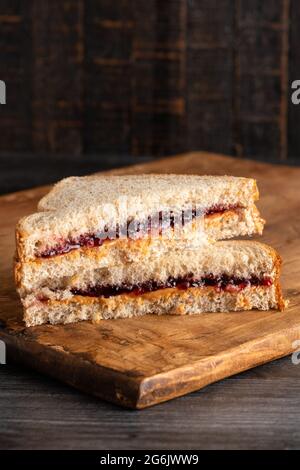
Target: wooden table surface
[{"x": 257, "y": 409}]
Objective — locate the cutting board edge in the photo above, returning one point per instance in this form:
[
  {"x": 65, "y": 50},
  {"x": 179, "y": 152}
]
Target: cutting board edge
[
  {"x": 149, "y": 392},
  {"x": 98, "y": 380},
  {"x": 139, "y": 392}
]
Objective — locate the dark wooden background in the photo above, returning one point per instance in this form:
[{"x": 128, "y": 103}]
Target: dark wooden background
[{"x": 148, "y": 78}]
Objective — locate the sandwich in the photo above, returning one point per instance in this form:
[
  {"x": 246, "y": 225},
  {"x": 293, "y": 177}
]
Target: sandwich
[
  {"x": 81, "y": 213},
  {"x": 120, "y": 246},
  {"x": 219, "y": 277}
]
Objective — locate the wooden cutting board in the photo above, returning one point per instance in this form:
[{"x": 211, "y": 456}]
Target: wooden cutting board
[{"x": 140, "y": 362}]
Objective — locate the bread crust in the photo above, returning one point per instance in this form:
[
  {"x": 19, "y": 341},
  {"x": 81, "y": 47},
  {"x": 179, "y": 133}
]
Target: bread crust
[
  {"x": 17, "y": 272},
  {"x": 20, "y": 242},
  {"x": 282, "y": 303}
]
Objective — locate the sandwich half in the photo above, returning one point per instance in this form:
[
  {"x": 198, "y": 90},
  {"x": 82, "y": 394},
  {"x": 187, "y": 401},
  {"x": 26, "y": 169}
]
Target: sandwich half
[
  {"x": 103, "y": 212},
  {"x": 219, "y": 277}
]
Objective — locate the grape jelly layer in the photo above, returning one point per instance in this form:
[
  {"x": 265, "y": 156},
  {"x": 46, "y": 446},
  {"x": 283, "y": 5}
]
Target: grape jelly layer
[
  {"x": 220, "y": 283},
  {"x": 87, "y": 240}
]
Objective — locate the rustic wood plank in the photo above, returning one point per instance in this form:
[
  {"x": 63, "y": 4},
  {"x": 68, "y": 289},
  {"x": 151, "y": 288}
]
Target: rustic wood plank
[
  {"x": 150, "y": 77},
  {"x": 57, "y": 75},
  {"x": 159, "y": 77},
  {"x": 108, "y": 45},
  {"x": 261, "y": 78},
  {"x": 140, "y": 362},
  {"x": 209, "y": 64},
  {"x": 294, "y": 74},
  {"x": 15, "y": 60}
]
